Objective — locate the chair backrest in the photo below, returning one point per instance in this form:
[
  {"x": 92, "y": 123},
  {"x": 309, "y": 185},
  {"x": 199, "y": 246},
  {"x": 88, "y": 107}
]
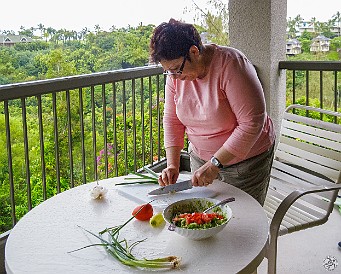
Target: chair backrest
[{"x": 308, "y": 156}]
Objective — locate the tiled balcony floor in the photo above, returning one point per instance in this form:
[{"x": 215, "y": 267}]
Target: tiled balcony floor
[{"x": 304, "y": 251}]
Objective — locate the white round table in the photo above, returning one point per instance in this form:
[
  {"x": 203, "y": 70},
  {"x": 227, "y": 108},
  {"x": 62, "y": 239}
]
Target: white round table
[{"x": 40, "y": 241}]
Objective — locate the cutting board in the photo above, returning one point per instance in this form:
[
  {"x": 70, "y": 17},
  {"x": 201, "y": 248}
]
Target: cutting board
[{"x": 139, "y": 193}]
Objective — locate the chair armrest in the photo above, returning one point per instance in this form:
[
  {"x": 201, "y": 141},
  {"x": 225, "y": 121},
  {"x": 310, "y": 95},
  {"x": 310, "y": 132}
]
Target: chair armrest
[{"x": 290, "y": 199}]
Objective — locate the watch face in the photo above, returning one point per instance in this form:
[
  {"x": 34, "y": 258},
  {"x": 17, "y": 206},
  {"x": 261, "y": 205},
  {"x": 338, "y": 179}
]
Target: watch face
[{"x": 215, "y": 161}]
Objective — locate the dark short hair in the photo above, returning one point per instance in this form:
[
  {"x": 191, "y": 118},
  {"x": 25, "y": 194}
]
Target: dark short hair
[{"x": 173, "y": 40}]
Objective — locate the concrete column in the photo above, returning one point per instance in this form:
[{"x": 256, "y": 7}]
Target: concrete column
[{"x": 258, "y": 29}]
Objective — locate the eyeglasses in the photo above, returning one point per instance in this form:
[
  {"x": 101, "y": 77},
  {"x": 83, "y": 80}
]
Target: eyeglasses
[{"x": 179, "y": 72}]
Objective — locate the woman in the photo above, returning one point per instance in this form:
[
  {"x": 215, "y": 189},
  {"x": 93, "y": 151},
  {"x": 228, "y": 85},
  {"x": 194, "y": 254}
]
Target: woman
[{"x": 213, "y": 95}]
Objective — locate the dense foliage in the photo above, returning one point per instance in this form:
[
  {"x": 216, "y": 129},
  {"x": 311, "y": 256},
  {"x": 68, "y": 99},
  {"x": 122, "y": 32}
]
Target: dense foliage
[
  {"x": 42, "y": 60},
  {"x": 320, "y": 28},
  {"x": 131, "y": 131},
  {"x": 98, "y": 52},
  {"x": 331, "y": 96}
]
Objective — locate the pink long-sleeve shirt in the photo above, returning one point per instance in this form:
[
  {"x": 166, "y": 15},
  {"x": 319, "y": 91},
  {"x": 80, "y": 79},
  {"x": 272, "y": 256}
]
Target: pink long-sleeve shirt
[{"x": 225, "y": 108}]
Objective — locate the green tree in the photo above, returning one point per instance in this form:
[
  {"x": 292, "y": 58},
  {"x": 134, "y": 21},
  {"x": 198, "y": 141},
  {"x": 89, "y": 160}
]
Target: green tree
[
  {"x": 214, "y": 19},
  {"x": 298, "y": 21},
  {"x": 326, "y": 29},
  {"x": 35, "y": 46},
  {"x": 83, "y": 33},
  {"x": 97, "y": 29},
  {"x": 58, "y": 64},
  {"x": 85, "y": 61},
  {"x": 26, "y": 32},
  {"x": 335, "y": 43},
  {"x": 41, "y": 27},
  {"x": 7, "y": 68},
  {"x": 291, "y": 26},
  {"x": 313, "y": 21},
  {"x": 337, "y": 20},
  {"x": 305, "y": 45},
  {"x": 50, "y": 31},
  {"x": 306, "y": 35}
]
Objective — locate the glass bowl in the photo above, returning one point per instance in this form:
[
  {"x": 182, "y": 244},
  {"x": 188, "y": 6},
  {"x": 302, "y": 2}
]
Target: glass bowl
[{"x": 196, "y": 205}]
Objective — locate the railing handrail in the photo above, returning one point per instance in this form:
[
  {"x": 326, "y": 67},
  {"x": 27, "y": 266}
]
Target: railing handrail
[
  {"x": 18, "y": 90},
  {"x": 311, "y": 65}
]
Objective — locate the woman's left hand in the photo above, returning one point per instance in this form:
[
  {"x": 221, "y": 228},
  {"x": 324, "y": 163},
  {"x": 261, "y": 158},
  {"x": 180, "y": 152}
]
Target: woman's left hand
[{"x": 205, "y": 175}]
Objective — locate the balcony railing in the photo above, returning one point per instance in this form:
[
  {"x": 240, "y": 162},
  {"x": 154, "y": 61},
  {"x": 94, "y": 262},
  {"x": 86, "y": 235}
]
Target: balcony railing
[
  {"x": 56, "y": 134},
  {"x": 313, "y": 83}
]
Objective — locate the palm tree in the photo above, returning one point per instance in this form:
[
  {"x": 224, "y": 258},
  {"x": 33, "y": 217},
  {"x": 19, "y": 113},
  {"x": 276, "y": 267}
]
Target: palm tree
[
  {"x": 291, "y": 26},
  {"x": 32, "y": 29},
  {"x": 97, "y": 29},
  {"x": 298, "y": 21},
  {"x": 50, "y": 31},
  {"x": 27, "y": 32},
  {"x": 8, "y": 32},
  {"x": 74, "y": 35},
  {"x": 319, "y": 27},
  {"x": 82, "y": 33},
  {"x": 67, "y": 35},
  {"x": 113, "y": 28},
  {"x": 337, "y": 19},
  {"x": 59, "y": 36},
  {"x": 41, "y": 27},
  {"x": 313, "y": 21}
]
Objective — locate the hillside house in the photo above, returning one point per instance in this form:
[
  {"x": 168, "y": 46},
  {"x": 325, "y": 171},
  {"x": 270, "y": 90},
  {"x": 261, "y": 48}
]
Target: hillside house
[
  {"x": 310, "y": 28},
  {"x": 293, "y": 47},
  {"x": 306, "y": 26},
  {"x": 11, "y": 40},
  {"x": 336, "y": 29},
  {"x": 320, "y": 44}
]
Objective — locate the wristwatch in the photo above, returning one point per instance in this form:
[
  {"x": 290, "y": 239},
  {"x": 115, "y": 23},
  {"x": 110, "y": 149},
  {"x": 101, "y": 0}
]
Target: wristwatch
[{"x": 216, "y": 162}]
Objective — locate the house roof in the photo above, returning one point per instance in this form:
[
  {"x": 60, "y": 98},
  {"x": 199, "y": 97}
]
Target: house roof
[
  {"x": 306, "y": 24},
  {"x": 14, "y": 38},
  {"x": 320, "y": 38},
  {"x": 293, "y": 42}
]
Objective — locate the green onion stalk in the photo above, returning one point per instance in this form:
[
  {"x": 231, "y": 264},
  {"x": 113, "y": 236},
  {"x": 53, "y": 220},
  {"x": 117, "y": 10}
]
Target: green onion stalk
[
  {"x": 139, "y": 178},
  {"x": 120, "y": 249}
]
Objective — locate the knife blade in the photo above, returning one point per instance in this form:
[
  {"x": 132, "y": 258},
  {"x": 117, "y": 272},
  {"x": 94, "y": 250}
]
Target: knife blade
[{"x": 172, "y": 188}]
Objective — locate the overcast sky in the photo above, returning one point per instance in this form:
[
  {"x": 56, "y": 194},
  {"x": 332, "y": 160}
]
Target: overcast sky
[{"x": 75, "y": 14}]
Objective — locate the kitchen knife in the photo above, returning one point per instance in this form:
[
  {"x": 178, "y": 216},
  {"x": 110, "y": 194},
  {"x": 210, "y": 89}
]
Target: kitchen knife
[{"x": 172, "y": 188}]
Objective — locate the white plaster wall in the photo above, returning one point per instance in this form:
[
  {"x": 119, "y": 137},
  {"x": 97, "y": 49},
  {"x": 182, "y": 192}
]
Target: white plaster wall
[{"x": 258, "y": 28}]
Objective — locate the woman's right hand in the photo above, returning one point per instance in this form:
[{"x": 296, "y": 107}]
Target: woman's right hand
[{"x": 168, "y": 176}]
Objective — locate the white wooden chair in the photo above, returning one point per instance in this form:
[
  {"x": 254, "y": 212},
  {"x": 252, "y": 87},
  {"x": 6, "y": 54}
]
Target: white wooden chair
[{"x": 305, "y": 175}]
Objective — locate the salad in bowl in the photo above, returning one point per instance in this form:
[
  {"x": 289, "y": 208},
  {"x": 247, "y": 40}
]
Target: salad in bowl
[{"x": 186, "y": 217}]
